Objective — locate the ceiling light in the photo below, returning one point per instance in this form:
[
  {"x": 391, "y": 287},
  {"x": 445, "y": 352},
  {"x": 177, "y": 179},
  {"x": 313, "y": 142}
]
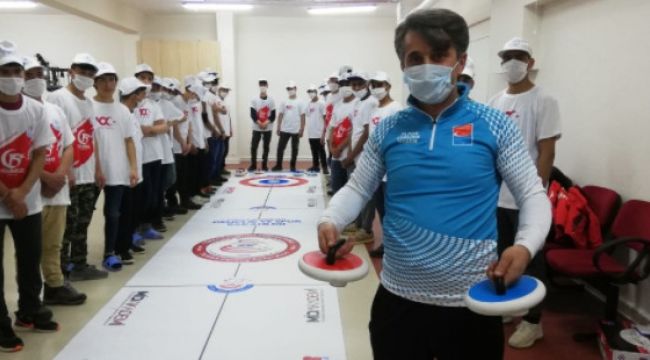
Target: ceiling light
[
  {"x": 217, "y": 7},
  {"x": 342, "y": 10},
  {"x": 17, "y": 4}
]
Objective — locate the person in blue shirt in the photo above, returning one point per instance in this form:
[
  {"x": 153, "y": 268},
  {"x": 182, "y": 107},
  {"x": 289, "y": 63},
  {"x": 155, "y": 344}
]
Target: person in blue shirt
[{"x": 445, "y": 157}]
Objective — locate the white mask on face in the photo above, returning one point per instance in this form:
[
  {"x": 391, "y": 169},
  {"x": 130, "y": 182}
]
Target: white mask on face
[
  {"x": 223, "y": 94},
  {"x": 166, "y": 96},
  {"x": 292, "y": 93},
  {"x": 346, "y": 91},
  {"x": 155, "y": 96},
  {"x": 333, "y": 86},
  {"x": 82, "y": 83},
  {"x": 361, "y": 93},
  {"x": 35, "y": 87},
  {"x": 515, "y": 70},
  {"x": 264, "y": 89},
  {"x": 379, "y": 93},
  {"x": 11, "y": 85}
]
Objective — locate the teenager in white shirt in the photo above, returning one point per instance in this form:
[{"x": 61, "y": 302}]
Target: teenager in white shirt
[
  {"x": 315, "y": 114},
  {"x": 116, "y": 152},
  {"x": 215, "y": 132},
  {"x": 263, "y": 116},
  {"x": 85, "y": 177},
  {"x": 154, "y": 127},
  {"x": 226, "y": 123},
  {"x": 538, "y": 117},
  {"x": 340, "y": 132},
  {"x": 291, "y": 126},
  {"x": 54, "y": 192},
  {"x": 24, "y": 137}
]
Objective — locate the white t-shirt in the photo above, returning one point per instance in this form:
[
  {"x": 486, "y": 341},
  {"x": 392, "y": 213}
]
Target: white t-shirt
[
  {"x": 147, "y": 113},
  {"x": 79, "y": 114},
  {"x": 263, "y": 107},
  {"x": 362, "y": 113},
  {"x": 112, "y": 128},
  {"x": 226, "y": 121},
  {"x": 195, "y": 118},
  {"x": 210, "y": 99},
  {"x": 183, "y": 128},
  {"x": 291, "y": 110},
  {"x": 315, "y": 114},
  {"x": 537, "y": 115},
  {"x": 170, "y": 113},
  {"x": 21, "y": 132},
  {"x": 380, "y": 113},
  {"x": 341, "y": 125},
  {"x": 63, "y": 138},
  {"x": 136, "y": 130}
]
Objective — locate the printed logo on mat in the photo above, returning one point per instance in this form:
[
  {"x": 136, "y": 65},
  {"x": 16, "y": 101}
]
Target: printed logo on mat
[
  {"x": 246, "y": 248},
  {"x": 232, "y": 285},
  {"x": 274, "y": 181},
  {"x": 315, "y": 312},
  {"x": 126, "y": 309},
  {"x": 14, "y": 158},
  {"x": 229, "y": 190},
  {"x": 258, "y": 222},
  {"x": 263, "y": 207},
  {"x": 315, "y": 358}
]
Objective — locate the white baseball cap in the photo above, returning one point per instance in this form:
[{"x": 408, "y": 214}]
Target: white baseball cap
[
  {"x": 334, "y": 76},
  {"x": 224, "y": 87},
  {"x": 129, "y": 85},
  {"x": 31, "y": 63},
  {"x": 167, "y": 83},
  {"x": 84, "y": 59},
  {"x": 8, "y": 54},
  {"x": 380, "y": 76},
  {"x": 516, "y": 43},
  {"x": 207, "y": 77},
  {"x": 291, "y": 84},
  {"x": 262, "y": 80},
  {"x": 157, "y": 80},
  {"x": 358, "y": 75},
  {"x": 323, "y": 88},
  {"x": 312, "y": 87},
  {"x": 345, "y": 69},
  {"x": 189, "y": 80},
  {"x": 469, "y": 68},
  {"x": 176, "y": 83},
  {"x": 140, "y": 68},
  {"x": 104, "y": 68}
]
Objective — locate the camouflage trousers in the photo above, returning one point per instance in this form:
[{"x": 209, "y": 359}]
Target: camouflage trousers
[{"x": 75, "y": 240}]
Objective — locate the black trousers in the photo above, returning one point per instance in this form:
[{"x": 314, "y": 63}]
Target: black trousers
[
  {"x": 152, "y": 181},
  {"x": 282, "y": 145},
  {"x": 131, "y": 214},
  {"x": 403, "y": 329},
  {"x": 27, "y": 244},
  {"x": 226, "y": 149},
  {"x": 318, "y": 157},
  {"x": 507, "y": 224},
  {"x": 196, "y": 177},
  {"x": 182, "y": 184},
  {"x": 266, "y": 137}
]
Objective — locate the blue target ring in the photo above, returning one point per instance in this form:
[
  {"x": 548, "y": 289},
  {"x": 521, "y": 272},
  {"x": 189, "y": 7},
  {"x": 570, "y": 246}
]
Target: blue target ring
[
  {"x": 486, "y": 292},
  {"x": 274, "y": 181}
]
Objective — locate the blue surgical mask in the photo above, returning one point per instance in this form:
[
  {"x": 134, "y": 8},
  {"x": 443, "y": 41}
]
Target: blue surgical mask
[{"x": 429, "y": 83}]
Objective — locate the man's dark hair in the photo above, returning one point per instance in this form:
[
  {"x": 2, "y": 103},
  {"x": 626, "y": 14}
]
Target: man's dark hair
[{"x": 441, "y": 29}]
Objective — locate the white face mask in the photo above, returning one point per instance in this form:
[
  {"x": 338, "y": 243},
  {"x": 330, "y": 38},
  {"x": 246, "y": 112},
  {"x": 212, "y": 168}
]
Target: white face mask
[
  {"x": 429, "y": 83},
  {"x": 11, "y": 85},
  {"x": 35, "y": 87},
  {"x": 166, "y": 96},
  {"x": 515, "y": 70},
  {"x": 82, "y": 83},
  {"x": 292, "y": 93},
  {"x": 346, "y": 91},
  {"x": 361, "y": 93},
  {"x": 333, "y": 86},
  {"x": 379, "y": 93},
  {"x": 264, "y": 89},
  {"x": 223, "y": 94},
  {"x": 155, "y": 96}
]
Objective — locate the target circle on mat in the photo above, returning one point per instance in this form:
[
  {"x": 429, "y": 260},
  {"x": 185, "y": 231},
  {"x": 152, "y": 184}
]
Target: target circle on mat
[
  {"x": 274, "y": 181},
  {"x": 246, "y": 248}
]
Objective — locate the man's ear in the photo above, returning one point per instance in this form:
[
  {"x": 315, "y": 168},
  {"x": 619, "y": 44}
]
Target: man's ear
[{"x": 531, "y": 64}]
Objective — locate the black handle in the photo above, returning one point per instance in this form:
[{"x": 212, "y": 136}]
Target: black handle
[
  {"x": 499, "y": 285},
  {"x": 331, "y": 253}
]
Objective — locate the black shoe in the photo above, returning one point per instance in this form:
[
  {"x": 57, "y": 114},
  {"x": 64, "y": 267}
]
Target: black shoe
[
  {"x": 41, "y": 321},
  {"x": 9, "y": 342},
  {"x": 225, "y": 172},
  {"x": 127, "y": 258},
  {"x": 190, "y": 205},
  {"x": 252, "y": 168},
  {"x": 378, "y": 252},
  {"x": 276, "y": 168},
  {"x": 159, "y": 227},
  {"x": 265, "y": 168},
  {"x": 137, "y": 249},
  {"x": 87, "y": 272},
  {"x": 216, "y": 183},
  {"x": 178, "y": 210},
  {"x": 326, "y": 172},
  {"x": 330, "y": 192},
  {"x": 222, "y": 180},
  {"x": 63, "y": 295}
]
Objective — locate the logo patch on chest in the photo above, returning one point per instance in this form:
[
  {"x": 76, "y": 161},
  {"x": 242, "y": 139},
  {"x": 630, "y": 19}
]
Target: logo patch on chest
[{"x": 463, "y": 135}]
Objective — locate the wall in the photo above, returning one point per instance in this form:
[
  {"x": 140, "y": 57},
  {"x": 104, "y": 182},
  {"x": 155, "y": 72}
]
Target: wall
[
  {"x": 180, "y": 27},
  {"x": 306, "y": 50},
  {"x": 59, "y": 37}
]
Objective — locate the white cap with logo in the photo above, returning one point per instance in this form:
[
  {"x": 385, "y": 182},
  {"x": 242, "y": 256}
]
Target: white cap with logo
[
  {"x": 518, "y": 44},
  {"x": 8, "y": 53},
  {"x": 129, "y": 85},
  {"x": 380, "y": 76},
  {"x": 104, "y": 68},
  {"x": 84, "y": 59},
  {"x": 140, "y": 68}
]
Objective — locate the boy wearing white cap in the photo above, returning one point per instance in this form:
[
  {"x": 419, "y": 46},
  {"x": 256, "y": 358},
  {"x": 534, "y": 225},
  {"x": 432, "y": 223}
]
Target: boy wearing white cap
[
  {"x": 214, "y": 131},
  {"x": 226, "y": 124},
  {"x": 116, "y": 154},
  {"x": 291, "y": 125},
  {"x": 263, "y": 116},
  {"x": 315, "y": 114},
  {"x": 54, "y": 192},
  {"x": 85, "y": 176},
  {"x": 154, "y": 127},
  {"x": 537, "y": 115},
  {"x": 340, "y": 131},
  {"x": 24, "y": 137}
]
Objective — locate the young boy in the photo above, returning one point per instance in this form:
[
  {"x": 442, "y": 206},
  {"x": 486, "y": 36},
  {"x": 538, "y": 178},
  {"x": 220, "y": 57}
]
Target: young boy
[
  {"x": 315, "y": 114},
  {"x": 291, "y": 125},
  {"x": 263, "y": 116}
]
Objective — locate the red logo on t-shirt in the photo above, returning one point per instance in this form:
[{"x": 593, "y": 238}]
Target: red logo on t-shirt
[
  {"x": 195, "y": 109},
  {"x": 263, "y": 114},
  {"x": 14, "y": 158},
  {"x": 83, "y": 147},
  {"x": 512, "y": 114},
  {"x": 52, "y": 156},
  {"x": 104, "y": 120},
  {"x": 143, "y": 112},
  {"x": 328, "y": 113},
  {"x": 341, "y": 131},
  {"x": 375, "y": 120}
]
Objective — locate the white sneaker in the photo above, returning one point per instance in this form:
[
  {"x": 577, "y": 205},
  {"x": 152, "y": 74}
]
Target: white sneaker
[
  {"x": 200, "y": 200},
  {"x": 525, "y": 335}
]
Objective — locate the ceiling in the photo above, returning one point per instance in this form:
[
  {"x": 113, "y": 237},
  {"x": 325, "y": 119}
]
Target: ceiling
[{"x": 262, "y": 7}]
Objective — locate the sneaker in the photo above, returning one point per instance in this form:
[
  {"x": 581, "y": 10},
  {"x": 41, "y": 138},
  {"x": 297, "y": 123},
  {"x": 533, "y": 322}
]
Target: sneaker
[
  {"x": 378, "y": 252},
  {"x": 225, "y": 172},
  {"x": 252, "y": 168},
  {"x": 152, "y": 234},
  {"x": 39, "y": 322},
  {"x": 326, "y": 172},
  {"x": 9, "y": 342},
  {"x": 137, "y": 240},
  {"x": 161, "y": 228},
  {"x": 525, "y": 335},
  {"x": 199, "y": 200},
  {"x": 362, "y": 237},
  {"x": 179, "y": 210},
  {"x": 191, "y": 205},
  {"x": 265, "y": 168},
  {"x": 87, "y": 272},
  {"x": 63, "y": 295},
  {"x": 137, "y": 249},
  {"x": 127, "y": 258},
  {"x": 276, "y": 168},
  {"x": 293, "y": 170}
]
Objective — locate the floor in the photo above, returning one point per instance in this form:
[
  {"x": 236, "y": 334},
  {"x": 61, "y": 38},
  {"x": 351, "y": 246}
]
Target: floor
[{"x": 568, "y": 311}]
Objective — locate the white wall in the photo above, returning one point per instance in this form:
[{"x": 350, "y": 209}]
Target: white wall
[
  {"x": 479, "y": 51},
  {"x": 594, "y": 59},
  {"x": 306, "y": 50},
  {"x": 59, "y": 37},
  {"x": 180, "y": 27}
]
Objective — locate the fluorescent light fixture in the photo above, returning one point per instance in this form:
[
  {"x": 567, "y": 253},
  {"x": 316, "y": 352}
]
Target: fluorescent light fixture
[
  {"x": 17, "y": 4},
  {"x": 217, "y": 7},
  {"x": 342, "y": 10}
]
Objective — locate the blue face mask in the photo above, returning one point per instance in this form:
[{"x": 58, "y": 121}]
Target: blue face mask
[{"x": 429, "y": 83}]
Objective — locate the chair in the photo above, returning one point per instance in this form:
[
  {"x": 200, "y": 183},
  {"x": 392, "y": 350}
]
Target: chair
[{"x": 598, "y": 267}]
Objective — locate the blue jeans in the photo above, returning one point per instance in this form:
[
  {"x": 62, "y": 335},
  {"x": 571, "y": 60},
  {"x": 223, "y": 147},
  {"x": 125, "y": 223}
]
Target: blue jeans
[
  {"x": 214, "y": 159},
  {"x": 114, "y": 197}
]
